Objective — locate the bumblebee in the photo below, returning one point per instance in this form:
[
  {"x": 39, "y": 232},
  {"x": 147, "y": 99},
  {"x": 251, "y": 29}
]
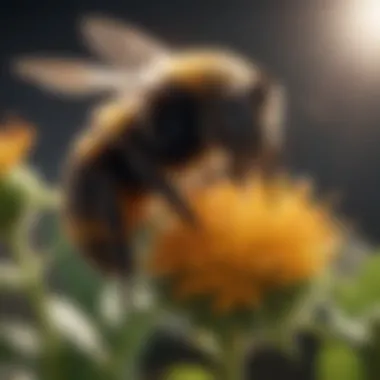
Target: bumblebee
[{"x": 174, "y": 120}]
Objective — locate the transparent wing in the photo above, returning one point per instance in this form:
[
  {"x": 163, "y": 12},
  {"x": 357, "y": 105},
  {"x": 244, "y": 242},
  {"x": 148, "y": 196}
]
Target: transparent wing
[
  {"x": 120, "y": 44},
  {"x": 71, "y": 76}
]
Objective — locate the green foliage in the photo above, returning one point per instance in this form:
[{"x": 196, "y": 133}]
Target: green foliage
[
  {"x": 78, "y": 279},
  {"x": 21, "y": 189},
  {"x": 337, "y": 360},
  {"x": 370, "y": 352},
  {"x": 12, "y": 202},
  {"x": 187, "y": 372},
  {"x": 272, "y": 314},
  {"x": 359, "y": 295},
  {"x": 87, "y": 346},
  {"x": 70, "y": 338},
  {"x": 88, "y": 330},
  {"x": 355, "y": 351}
]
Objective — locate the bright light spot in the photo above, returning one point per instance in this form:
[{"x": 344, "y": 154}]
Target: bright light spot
[
  {"x": 355, "y": 36},
  {"x": 365, "y": 22}
]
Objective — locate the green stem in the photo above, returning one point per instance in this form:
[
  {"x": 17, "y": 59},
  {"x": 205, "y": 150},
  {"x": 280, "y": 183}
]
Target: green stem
[
  {"x": 124, "y": 362},
  {"x": 232, "y": 360},
  {"x": 36, "y": 292}
]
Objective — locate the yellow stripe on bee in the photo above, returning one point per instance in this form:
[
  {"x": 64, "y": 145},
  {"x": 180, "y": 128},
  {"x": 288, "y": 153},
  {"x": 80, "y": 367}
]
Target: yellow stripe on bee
[
  {"x": 194, "y": 67},
  {"x": 106, "y": 123}
]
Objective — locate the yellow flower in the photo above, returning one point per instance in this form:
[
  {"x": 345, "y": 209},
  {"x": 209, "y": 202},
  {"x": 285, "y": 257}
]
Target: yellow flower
[
  {"x": 16, "y": 139},
  {"x": 252, "y": 241}
]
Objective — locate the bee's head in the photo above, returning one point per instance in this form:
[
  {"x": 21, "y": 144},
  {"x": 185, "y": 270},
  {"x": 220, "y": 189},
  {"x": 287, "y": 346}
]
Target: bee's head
[{"x": 241, "y": 106}]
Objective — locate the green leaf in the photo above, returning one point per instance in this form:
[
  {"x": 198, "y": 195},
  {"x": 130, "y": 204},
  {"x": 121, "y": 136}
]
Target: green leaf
[
  {"x": 35, "y": 187},
  {"x": 11, "y": 277},
  {"x": 338, "y": 361},
  {"x": 19, "y": 190},
  {"x": 75, "y": 365},
  {"x": 370, "y": 352},
  {"x": 112, "y": 307},
  {"x": 21, "y": 337},
  {"x": 13, "y": 200},
  {"x": 77, "y": 328},
  {"x": 359, "y": 295},
  {"x": 188, "y": 372},
  {"x": 129, "y": 342},
  {"x": 80, "y": 281},
  {"x": 16, "y": 372},
  {"x": 206, "y": 341}
]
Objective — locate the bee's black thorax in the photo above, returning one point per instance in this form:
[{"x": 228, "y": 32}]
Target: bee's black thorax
[{"x": 175, "y": 125}]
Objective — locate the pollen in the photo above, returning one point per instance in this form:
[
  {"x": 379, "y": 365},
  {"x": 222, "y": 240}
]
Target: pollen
[{"x": 251, "y": 241}]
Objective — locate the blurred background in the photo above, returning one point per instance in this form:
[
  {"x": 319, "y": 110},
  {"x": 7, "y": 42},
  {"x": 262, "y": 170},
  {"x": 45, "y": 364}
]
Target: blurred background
[{"x": 326, "y": 53}]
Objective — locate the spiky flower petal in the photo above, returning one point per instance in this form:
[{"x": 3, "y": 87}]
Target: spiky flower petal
[{"x": 252, "y": 241}]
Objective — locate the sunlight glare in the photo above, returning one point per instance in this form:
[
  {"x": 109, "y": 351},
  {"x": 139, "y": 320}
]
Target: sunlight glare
[{"x": 365, "y": 22}]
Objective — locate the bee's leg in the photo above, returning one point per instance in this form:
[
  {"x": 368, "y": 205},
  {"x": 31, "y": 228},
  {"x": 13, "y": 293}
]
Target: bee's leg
[
  {"x": 154, "y": 178},
  {"x": 271, "y": 162}
]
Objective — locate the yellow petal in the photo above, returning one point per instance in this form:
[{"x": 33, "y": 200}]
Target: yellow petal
[
  {"x": 252, "y": 240},
  {"x": 16, "y": 139}
]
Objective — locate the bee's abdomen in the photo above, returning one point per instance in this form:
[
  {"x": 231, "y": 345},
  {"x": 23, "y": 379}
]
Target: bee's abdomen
[{"x": 97, "y": 217}]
